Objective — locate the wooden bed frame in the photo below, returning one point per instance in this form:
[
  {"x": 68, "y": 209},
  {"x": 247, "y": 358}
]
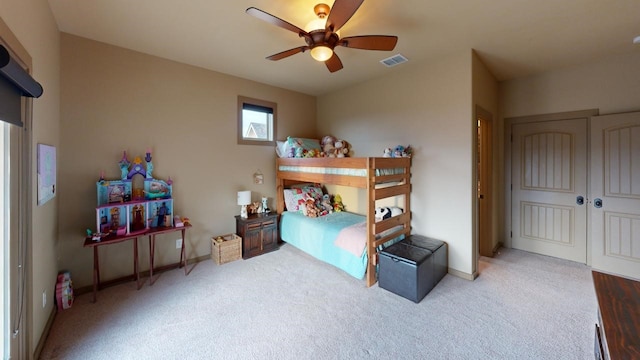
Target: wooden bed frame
[{"x": 401, "y": 187}]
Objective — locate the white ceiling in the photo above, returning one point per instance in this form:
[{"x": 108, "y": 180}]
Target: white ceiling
[{"x": 514, "y": 38}]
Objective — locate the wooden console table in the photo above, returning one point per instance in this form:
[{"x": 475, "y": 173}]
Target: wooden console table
[
  {"x": 88, "y": 242},
  {"x": 152, "y": 247},
  {"x": 617, "y": 337}
]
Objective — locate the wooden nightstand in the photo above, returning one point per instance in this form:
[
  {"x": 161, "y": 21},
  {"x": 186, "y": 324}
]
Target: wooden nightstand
[{"x": 259, "y": 233}]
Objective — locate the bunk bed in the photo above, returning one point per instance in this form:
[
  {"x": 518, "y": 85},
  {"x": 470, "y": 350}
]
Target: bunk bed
[{"x": 381, "y": 177}]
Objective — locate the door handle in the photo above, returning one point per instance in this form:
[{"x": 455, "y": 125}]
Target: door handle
[
  {"x": 597, "y": 202},
  {"x": 580, "y": 200}
]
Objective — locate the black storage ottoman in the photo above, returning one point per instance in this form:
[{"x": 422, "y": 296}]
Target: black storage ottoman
[{"x": 413, "y": 266}]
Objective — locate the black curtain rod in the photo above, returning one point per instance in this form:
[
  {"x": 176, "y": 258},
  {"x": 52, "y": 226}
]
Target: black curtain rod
[{"x": 13, "y": 72}]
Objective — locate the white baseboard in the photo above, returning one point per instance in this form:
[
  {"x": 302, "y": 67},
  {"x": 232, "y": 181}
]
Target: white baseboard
[{"x": 463, "y": 275}]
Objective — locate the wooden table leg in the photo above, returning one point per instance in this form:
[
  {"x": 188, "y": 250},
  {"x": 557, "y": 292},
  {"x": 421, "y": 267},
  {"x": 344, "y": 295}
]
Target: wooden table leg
[
  {"x": 96, "y": 272},
  {"x": 183, "y": 254},
  {"x": 152, "y": 249},
  {"x": 135, "y": 262}
]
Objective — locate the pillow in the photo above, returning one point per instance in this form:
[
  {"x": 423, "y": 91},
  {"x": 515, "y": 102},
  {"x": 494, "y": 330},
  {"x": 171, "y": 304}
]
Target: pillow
[
  {"x": 281, "y": 148},
  {"x": 305, "y": 144},
  {"x": 285, "y": 149},
  {"x": 294, "y": 199},
  {"x": 314, "y": 192}
]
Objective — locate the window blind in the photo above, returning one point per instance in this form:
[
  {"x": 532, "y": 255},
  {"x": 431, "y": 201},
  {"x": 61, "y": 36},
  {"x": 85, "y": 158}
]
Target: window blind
[{"x": 15, "y": 82}]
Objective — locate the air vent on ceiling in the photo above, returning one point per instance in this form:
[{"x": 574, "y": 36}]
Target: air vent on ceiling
[{"x": 394, "y": 60}]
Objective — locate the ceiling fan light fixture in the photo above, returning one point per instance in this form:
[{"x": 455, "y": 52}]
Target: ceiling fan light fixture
[
  {"x": 321, "y": 10},
  {"x": 317, "y": 24},
  {"x": 322, "y": 35},
  {"x": 636, "y": 40},
  {"x": 321, "y": 53}
]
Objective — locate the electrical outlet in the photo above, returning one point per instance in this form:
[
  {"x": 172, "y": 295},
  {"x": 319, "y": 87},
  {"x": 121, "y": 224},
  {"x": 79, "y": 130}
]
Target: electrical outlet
[
  {"x": 179, "y": 244},
  {"x": 44, "y": 298}
]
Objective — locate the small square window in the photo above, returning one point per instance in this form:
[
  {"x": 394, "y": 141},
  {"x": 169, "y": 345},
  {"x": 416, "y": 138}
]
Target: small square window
[{"x": 256, "y": 121}]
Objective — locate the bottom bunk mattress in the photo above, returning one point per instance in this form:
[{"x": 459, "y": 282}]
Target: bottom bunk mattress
[{"x": 318, "y": 236}]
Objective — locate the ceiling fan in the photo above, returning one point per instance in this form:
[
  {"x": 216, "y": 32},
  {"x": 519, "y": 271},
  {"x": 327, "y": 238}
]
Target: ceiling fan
[{"x": 321, "y": 34}]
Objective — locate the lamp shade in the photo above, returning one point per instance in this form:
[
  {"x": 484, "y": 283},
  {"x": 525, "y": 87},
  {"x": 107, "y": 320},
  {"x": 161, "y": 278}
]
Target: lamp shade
[
  {"x": 321, "y": 53},
  {"x": 244, "y": 197}
]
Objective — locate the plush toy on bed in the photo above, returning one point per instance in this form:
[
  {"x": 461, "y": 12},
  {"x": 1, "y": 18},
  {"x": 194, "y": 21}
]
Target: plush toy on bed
[
  {"x": 383, "y": 213},
  {"x": 327, "y": 208},
  {"x": 312, "y": 209},
  {"x": 337, "y": 203},
  {"x": 342, "y": 148},
  {"x": 328, "y": 146},
  {"x": 398, "y": 151}
]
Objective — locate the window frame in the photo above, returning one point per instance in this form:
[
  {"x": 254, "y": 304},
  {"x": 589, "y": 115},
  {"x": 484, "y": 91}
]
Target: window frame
[{"x": 257, "y": 103}]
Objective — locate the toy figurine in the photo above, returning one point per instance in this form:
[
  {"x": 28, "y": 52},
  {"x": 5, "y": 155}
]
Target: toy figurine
[
  {"x": 338, "y": 206},
  {"x": 124, "y": 165}
]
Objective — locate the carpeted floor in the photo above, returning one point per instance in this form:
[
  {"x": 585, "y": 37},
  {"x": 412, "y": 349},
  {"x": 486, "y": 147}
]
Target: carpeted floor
[{"x": 287, "y": 305}]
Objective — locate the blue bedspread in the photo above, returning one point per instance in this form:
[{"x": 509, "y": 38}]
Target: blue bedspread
[{"x": 316, "y": 237}]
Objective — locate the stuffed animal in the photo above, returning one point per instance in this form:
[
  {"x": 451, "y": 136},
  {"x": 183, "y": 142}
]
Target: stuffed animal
[
  {"x": 312, "y": 209},
  {"x": 253, "y": 208},
  {"x": 398, "y": 151},
  {"x": 383, "y": 213},
  {"x": 408, "y": 151},
  {"x": 328, "y": 146},
  {"x": 342, "y": 148},
  {"x": 337, "y": 203},
  {"x": 327, "y": 208}
]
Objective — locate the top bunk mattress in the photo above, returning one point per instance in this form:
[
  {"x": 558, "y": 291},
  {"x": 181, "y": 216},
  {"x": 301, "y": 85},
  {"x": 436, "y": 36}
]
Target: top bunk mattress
[
  {"x": 357, "y": 167},
  {"x": 339, "y": 171}
]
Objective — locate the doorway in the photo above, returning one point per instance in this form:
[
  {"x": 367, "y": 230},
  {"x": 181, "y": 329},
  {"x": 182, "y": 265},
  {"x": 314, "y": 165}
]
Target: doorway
[{"x": 484, "y": 172}]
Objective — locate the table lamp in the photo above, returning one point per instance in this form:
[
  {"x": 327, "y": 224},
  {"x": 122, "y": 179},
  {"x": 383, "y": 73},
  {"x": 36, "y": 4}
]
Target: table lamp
[{"x": 244, "y": 199}]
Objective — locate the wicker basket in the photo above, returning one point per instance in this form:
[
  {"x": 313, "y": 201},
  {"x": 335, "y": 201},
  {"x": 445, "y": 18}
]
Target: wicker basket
[{"x": 227, "y": 250}]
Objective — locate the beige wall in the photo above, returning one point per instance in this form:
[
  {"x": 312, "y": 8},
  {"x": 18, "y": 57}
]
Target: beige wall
[
  {"x": 611, "y": 85},
  {"x": 115, "y": 99},
  {"x": 33, "y": 25},
  {"x": 428, "y": 106}
]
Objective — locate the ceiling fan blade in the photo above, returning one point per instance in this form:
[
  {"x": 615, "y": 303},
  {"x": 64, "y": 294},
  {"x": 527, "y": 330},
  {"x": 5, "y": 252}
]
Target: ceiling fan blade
[
  {"x": 341, "y": 12},
  {"x": 370, "y": 42},
  {"x": 333, "y": 64},
  {"x": 287, "y": 53},
  {"x": 265, "y": 16}
]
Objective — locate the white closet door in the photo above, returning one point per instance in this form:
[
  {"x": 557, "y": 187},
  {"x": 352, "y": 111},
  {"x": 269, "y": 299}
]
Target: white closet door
[
  {"x": 615, "y": 193},
  {"x": 549, "y": 175}
]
